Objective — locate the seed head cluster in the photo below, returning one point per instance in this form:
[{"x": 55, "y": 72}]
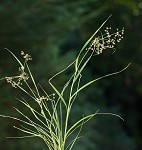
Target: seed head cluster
[
  {"x": 106, "y": 40},
  {"x": 47, "y": 98},
  {"x": 15, "y": 81},
  {"x": 27, "y": 57}
]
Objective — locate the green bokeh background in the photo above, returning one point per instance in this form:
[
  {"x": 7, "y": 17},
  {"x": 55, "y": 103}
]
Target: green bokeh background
[{"x": 53, "y": 31}]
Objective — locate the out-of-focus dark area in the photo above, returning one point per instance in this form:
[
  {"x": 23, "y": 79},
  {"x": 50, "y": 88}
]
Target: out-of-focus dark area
[{"x": 53, "y": 32}]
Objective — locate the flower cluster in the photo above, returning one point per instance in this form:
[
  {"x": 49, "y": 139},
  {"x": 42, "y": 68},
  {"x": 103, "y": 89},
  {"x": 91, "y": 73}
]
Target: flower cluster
[
  {"x": 47, "y": 98},
  {"x": 16, "y": 80},
  {"x": 26, "y": 56},
  {"x": 106, "y": 41}
]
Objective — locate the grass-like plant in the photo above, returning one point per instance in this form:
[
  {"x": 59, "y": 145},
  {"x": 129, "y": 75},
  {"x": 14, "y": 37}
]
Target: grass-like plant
[{"x": 51, "y": 121}]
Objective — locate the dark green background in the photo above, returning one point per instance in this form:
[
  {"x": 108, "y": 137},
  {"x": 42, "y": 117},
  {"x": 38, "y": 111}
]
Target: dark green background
[{"x": 53, "y": 31}]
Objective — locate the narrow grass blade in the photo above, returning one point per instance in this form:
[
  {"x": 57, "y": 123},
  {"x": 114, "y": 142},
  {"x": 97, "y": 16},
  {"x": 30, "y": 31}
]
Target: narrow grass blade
[
  {"x": 15, "y": 57},
  {"x": 79, "y": 123},
  {"x": 111, "y": 74}
]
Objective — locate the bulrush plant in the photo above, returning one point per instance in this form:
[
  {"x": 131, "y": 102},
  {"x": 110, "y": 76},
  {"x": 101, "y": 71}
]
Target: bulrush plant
[{"x": 52, "y": 116}]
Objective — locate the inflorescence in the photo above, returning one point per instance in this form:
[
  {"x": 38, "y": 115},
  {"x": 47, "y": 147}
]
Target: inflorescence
[
  {"x": 15, "y": 81},
  {"x": 105, "y": 41},
  {"x": 47, "y": 98}
]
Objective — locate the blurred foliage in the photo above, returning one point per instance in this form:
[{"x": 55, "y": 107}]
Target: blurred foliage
[{"x": 53, "y": 31}]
